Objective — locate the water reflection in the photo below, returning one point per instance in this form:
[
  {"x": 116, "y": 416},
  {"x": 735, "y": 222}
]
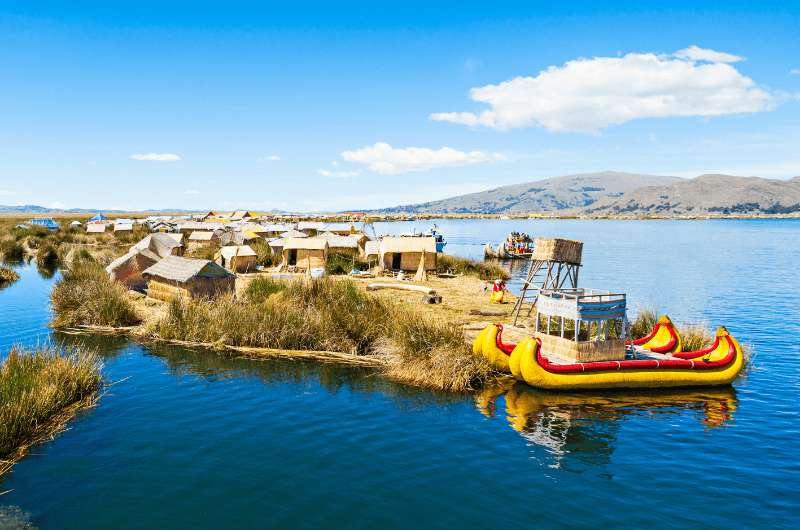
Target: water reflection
[
  {"x": 107, "y": 346},
  {"x": 217, "y": 366},
  {"x": 46, "y": 270},
  {"x": 585, "y": 426}
]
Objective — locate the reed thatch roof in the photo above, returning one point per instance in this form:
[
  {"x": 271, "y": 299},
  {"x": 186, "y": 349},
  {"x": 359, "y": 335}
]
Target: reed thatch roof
[
  {"x": 372, "y": 248},
  {"x": 337, "y": 241},
  {"x": 310, "y": 225},
  {"x": 123, "y": 227},
  {"x": 199, "y": 235},
  {"x": 407, "y": 244},
  {"x": 182, "y": 270},
  {"x": 307, "y": 243},
  {"x": 240, "y": 251},
  {"x": 160, "y": 244},
  {"x": 95, "y": 228},
  {"x": 293, "y": 233}
]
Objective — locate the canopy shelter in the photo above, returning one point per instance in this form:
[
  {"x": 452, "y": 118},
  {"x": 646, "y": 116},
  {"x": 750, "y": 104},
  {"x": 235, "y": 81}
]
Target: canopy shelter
[{"x": 581, "y": 324}]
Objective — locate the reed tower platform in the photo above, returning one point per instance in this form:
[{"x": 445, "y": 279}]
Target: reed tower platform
[{"x": 554, "y": 264}]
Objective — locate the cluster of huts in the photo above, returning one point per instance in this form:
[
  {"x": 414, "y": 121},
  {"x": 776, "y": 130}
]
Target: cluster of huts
[{"x": 157, "y": 262}]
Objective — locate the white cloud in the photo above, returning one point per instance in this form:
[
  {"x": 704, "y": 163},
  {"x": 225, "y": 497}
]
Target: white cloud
[
  {"x": 270, "y": 158},
  {"x": 795, "y": 71},
  {"x": 192, "y": 192},
  {"x": 342, "y": 174},
  {"x": 156, "y": 157},
  {"x": 385, "y": 159},
  {"x": 586, "y": 95},
  {"x": 695, "y": 53}
]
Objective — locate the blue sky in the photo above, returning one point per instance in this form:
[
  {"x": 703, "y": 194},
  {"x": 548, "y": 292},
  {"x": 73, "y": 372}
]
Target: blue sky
[{"x": 329, "y": 106}]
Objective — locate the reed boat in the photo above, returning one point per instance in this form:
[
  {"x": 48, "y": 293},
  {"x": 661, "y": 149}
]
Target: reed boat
[
  {"x": 517, "y": 245},
  {"x": 719, "y": 364}
]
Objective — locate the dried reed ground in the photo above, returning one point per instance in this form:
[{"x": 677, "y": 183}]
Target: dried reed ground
[{"x": 39, "y": 392}]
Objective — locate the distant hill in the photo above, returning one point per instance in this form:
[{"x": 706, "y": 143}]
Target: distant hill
[
  {"x": 615, "y": 193},
  {"x": 557, "y": 193},
  {"x": 706, "y": 194}
]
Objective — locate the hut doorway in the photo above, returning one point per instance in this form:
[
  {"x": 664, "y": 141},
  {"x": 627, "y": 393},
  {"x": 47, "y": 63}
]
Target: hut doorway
[
  {"x": 292, "y": 257},
  {"x": 396, "y": 260}
]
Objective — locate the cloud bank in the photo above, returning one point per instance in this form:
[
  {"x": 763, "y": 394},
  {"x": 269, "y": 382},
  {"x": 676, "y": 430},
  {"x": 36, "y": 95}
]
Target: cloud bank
[
  {"x": 586, "y": 95},
  {"x": 384, "y": 159},
  {"x": 156, "y": 157}
]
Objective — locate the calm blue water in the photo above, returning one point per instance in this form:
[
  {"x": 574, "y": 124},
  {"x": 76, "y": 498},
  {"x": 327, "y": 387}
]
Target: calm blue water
[{"x": 187, "y": 439}]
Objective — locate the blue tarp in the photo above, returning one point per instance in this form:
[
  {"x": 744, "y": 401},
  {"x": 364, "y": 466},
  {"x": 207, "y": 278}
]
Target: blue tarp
[
  {"x": 98, "y": 217},
  {"x": 46, "y": 222}
]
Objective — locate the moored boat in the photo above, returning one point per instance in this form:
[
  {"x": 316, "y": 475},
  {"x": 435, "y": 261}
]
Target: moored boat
[
  {"x": 718, "y": 364},
  {"x": 517, "y": 245}
]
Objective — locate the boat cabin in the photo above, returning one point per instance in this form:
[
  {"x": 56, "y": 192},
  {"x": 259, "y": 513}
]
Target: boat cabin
[{"x": 581, "y": 325}]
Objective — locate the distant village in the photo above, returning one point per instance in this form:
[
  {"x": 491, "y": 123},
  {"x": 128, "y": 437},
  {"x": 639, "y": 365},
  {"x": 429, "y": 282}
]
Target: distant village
[{"x": 201, "y": 255}]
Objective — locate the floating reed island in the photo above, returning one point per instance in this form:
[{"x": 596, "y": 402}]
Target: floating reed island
[
  {"x": 40, "y": 391},
  {"x": 263, "y": 286}
]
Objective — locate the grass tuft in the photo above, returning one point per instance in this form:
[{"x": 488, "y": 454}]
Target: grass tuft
[
  {"x": 38, "y": 394},
  {"x": 85, "y": 296},
  {"x": 435, "y": 354},
  {"x": 7, "y": 276},
  {"x": 485, "y": 270}
]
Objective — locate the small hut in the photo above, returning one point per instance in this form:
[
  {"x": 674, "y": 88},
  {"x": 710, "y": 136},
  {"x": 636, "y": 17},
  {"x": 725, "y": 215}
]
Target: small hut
[
  {"x": 123, "y": 227},
  {"x": 292, "y": 233},
  {"x": 98, "y": 218},
  {"x": 269, "y": 231},
  {"x": 240, "y": 215},
  {"x": 175, "y": 276},
  {"x": 342, "y": 245},
  {"x": 162, "y": 244},
  {"x": 405, "y": 253},
  {"x": 95, "y": 228},
  {"x": 128, "y": 268},
  {"x": 305, "y": 252},
  {"x": 310, "y": 228},
  {"x": 372, "y": 252},
  {"x": 238, "y": 259},
  {"x": 46, "y": 222},
  {"x": 202, "y": 238}
]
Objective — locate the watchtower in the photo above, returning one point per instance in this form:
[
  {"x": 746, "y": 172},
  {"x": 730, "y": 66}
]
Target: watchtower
[{"x": 554, "y": 265}]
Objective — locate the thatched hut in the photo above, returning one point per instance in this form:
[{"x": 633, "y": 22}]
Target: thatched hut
[
  {"x": 128, "y": 269},
  {"x": 311, "y": 228},
  {"x": 305, "y": 252},
  {"x": 405, "y": 253},
  {"x": 96, "y": 228},
  {"x": 240, "y": 215},
  {"x": 176, "y": 276},
  {"x": 341, "y": 245},
  {"x": 238, "y": 258},
  {"x": 162, "y": 244}
]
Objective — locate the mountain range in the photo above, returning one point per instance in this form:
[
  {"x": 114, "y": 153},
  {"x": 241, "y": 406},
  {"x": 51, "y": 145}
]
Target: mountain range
[{"x": 613, "y": 193}]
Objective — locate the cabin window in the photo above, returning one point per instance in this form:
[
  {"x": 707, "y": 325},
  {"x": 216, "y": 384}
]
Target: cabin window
[
  {"x": 396, "y": 260},
  {"x": 292, "y": 257}
]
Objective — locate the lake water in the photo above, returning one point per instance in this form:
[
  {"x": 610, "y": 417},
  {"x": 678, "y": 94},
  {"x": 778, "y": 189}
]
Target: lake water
[{"x": 187, "y": 439}]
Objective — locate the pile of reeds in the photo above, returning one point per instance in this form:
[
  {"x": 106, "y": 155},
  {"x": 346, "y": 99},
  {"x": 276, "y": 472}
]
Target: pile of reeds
[
  {"x": 39, "y": 392},
  {"x": 7, "y": 276},
  {"x": 485, "y": 270},
  {"x": 86, "y": 295}
]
